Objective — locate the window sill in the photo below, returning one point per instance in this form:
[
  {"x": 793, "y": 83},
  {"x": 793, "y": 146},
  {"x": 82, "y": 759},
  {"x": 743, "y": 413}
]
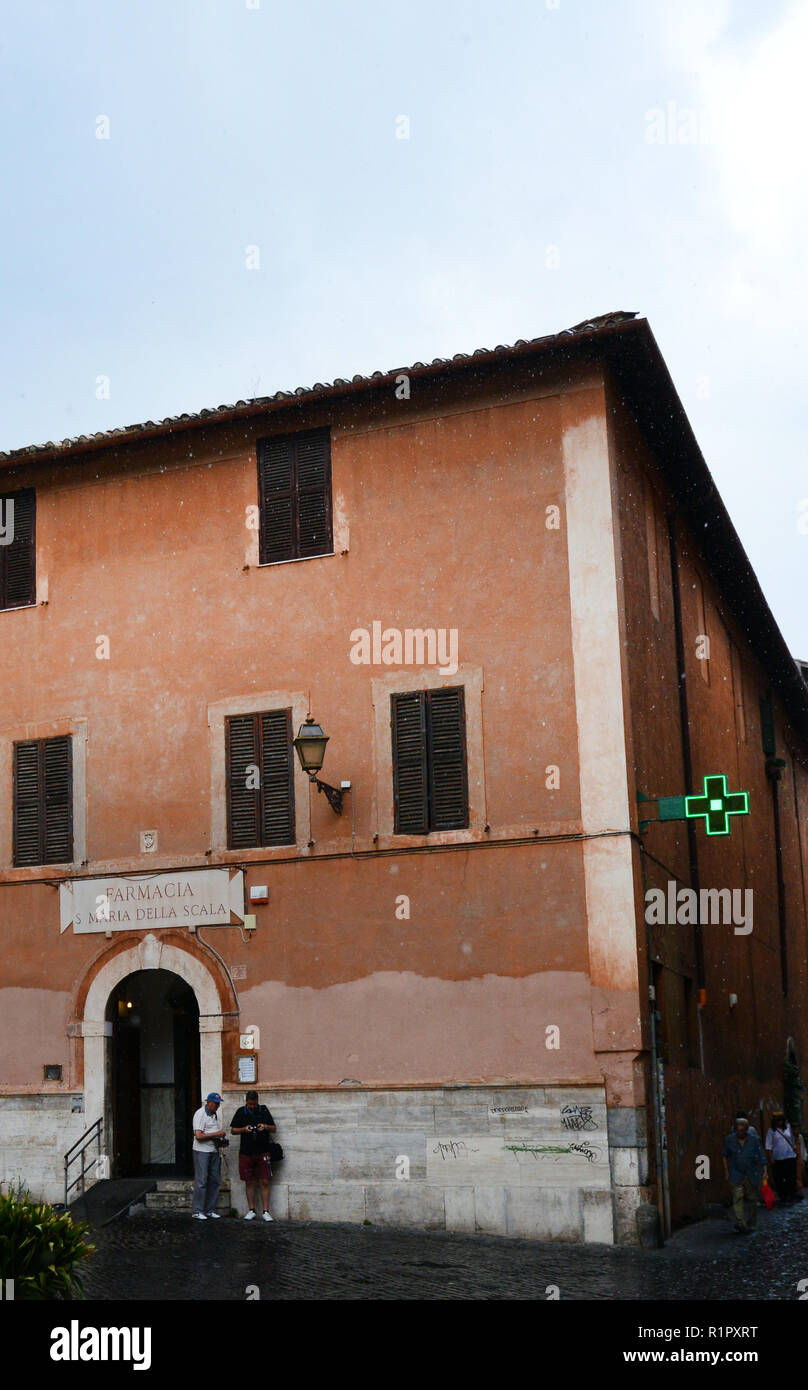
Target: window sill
[
  {"x": 298, "y": 560},
  {"x": 427, "y": 838},
  {"x": 19, "y": 607},
  {"x": 25, "y": 873},
  {"x": 416, "y": 835},
  {"x": 221, "y": 855}
]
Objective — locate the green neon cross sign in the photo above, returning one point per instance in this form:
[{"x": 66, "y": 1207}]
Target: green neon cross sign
[{"x": 717, "y": 805}]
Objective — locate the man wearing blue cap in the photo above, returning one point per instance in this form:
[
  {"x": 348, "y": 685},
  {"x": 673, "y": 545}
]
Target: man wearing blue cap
[{"x": 207, "y": 1160}]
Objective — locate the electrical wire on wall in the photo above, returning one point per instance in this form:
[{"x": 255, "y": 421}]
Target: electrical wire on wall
[{"x": 223, "y": 964}]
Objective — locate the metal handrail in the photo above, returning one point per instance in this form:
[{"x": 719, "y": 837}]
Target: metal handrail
[{"x": 82, "y": 1144}]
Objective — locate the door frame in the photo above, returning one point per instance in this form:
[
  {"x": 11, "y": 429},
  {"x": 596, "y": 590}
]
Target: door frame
[{"x": 147, "y": 954}]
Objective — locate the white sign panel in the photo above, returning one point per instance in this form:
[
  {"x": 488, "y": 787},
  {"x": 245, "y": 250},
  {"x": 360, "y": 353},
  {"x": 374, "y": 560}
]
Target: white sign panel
[
  {"x": 186, "y": 898},
  {"x": 246, "y": 1068}
]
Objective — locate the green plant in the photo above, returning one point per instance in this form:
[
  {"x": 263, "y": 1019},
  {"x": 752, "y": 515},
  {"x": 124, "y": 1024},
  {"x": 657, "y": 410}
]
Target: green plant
[
  {"x": 39, "y": 1250},
  {"x": 17, "y": 1189}
]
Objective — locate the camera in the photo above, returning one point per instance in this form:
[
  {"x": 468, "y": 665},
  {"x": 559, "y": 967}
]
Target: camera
[{"x": 222, "y": 1142}]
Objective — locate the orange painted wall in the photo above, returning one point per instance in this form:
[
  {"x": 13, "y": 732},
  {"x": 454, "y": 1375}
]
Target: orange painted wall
[{"x": 444, "y": 500}]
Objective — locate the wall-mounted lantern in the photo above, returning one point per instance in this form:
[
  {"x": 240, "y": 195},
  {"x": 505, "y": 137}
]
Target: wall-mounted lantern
[{"x": 310, "y": 745}]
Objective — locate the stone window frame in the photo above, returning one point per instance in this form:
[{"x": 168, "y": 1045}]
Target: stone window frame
[
  {"x": 340, "y": 525},
  {"x": 218, "y": 712},
  {"x": 78, "y": 730},
  {"x": 402, "y": 681}
]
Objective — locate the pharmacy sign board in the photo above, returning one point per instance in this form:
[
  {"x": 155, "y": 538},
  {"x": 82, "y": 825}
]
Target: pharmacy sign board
[{"x": 183, "y": 898}]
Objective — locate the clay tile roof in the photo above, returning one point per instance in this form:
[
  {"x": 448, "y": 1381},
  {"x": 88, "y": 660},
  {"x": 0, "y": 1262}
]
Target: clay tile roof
[{"x": 173, "y": 422}]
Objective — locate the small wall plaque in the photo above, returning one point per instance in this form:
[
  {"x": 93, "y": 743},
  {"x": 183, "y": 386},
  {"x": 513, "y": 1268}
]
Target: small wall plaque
[{"x": 246, "y": 1068}]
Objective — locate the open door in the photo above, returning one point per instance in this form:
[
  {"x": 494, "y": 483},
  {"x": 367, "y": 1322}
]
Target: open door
[{"x": 154, "y": 1074}]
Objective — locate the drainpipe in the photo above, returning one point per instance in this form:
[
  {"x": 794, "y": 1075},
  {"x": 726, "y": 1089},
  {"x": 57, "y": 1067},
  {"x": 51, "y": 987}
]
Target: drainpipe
[
  {"x": 657, "y": 1069},
  {"x": 659, "y": 1094},
  {"x": 687, "y": 767},
  {"x": 660, "y": 1137}
]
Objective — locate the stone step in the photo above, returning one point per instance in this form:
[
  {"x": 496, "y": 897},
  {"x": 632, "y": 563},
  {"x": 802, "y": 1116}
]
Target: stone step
[
  {"x": 176, "y": 1194},
  {"x": 179, "y": 1184}
]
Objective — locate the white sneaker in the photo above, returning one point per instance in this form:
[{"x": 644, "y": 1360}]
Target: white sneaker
[
  {"x": 267, "y": 1216},
  {"x": 216, "y": 1216},
  {"x": 249, "y": 1215},
  {"x": 199, "y": 1216}
]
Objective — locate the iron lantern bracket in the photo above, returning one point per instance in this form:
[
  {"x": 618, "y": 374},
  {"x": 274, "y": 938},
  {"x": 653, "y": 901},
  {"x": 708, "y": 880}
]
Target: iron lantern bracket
[{"x": 333, "y": 795}]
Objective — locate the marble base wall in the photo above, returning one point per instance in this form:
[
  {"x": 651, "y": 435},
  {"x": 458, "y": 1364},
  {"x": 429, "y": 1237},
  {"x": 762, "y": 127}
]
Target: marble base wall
[
  {"x": 531, "y": 1162},
  {"x": 543, "y": 1163}
]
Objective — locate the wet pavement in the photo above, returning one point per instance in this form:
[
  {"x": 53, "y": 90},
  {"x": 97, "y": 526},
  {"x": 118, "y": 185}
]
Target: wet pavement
[{"x": 167, "y": 1256}]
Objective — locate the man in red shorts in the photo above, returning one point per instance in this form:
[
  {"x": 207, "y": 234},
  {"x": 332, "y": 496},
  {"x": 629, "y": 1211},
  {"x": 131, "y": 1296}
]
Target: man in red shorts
[{"x": 255, "y": 1124}]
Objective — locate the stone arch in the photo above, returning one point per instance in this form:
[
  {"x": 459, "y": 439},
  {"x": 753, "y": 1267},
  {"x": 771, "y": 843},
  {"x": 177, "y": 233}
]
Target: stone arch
[{"x": 148, "y": 954}]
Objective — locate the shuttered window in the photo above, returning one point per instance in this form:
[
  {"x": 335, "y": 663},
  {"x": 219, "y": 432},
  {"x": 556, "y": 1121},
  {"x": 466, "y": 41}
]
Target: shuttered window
[
  {"x": 260, "y": 780},
  {"x": 43, "y": 801},
  {"x": 18, "y": 560},
  {"x": 294, "y": 490},
  {"x": 430, "y": 781}
]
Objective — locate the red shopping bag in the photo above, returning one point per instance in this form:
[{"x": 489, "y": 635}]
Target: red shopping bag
[{"x": 767, "y": 1194}]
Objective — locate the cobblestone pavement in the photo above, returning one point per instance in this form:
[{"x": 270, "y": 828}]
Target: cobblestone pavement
[{"x": 154, "y": 1255}]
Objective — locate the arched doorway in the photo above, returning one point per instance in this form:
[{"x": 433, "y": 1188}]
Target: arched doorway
[
  {"x": 147, "y": 954},
  {"x": 154, "y": 1073}
]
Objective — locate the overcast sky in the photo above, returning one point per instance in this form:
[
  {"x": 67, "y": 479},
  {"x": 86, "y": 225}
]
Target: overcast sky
[{"x": 563, "y": 158}]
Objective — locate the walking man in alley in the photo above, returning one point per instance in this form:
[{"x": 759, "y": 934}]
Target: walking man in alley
[
  {"x": 744, "y": 1169},
  {"x": 255, "y": 1124},
  {"x": 207, "y": 1159},
  {"x": 781, "y": 1149}
]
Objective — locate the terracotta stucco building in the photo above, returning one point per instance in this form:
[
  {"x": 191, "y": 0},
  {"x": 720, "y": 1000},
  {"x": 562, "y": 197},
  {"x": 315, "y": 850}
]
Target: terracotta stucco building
[{"x": 507, "y": 589}]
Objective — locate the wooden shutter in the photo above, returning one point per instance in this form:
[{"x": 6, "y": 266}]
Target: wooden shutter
[
  {"x": 446, "y": 747},
  {"x": 276, "y": 491},
  {"x": 277, "y": 779},
  {"x": 18, "y": 560},
  {"x": 43, "y": 801},
  {"x": 243, "y": 801},
  {"x": 26, "y": 803},
  {"x": 294, "y": 489},
  {"x": 57, "y": 777},
  {"x": 410, "y": 790},
  {"x": 314, "y": 493},
  {"x": 262, "y": 815},
  {"x": 430, "y": 781}
]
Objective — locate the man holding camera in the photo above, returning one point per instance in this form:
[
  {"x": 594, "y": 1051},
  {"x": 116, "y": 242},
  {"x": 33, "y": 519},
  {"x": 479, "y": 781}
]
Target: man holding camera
[
  {"x": 255, "y": 1124},
  {"x": 208, "y": 1137}
]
